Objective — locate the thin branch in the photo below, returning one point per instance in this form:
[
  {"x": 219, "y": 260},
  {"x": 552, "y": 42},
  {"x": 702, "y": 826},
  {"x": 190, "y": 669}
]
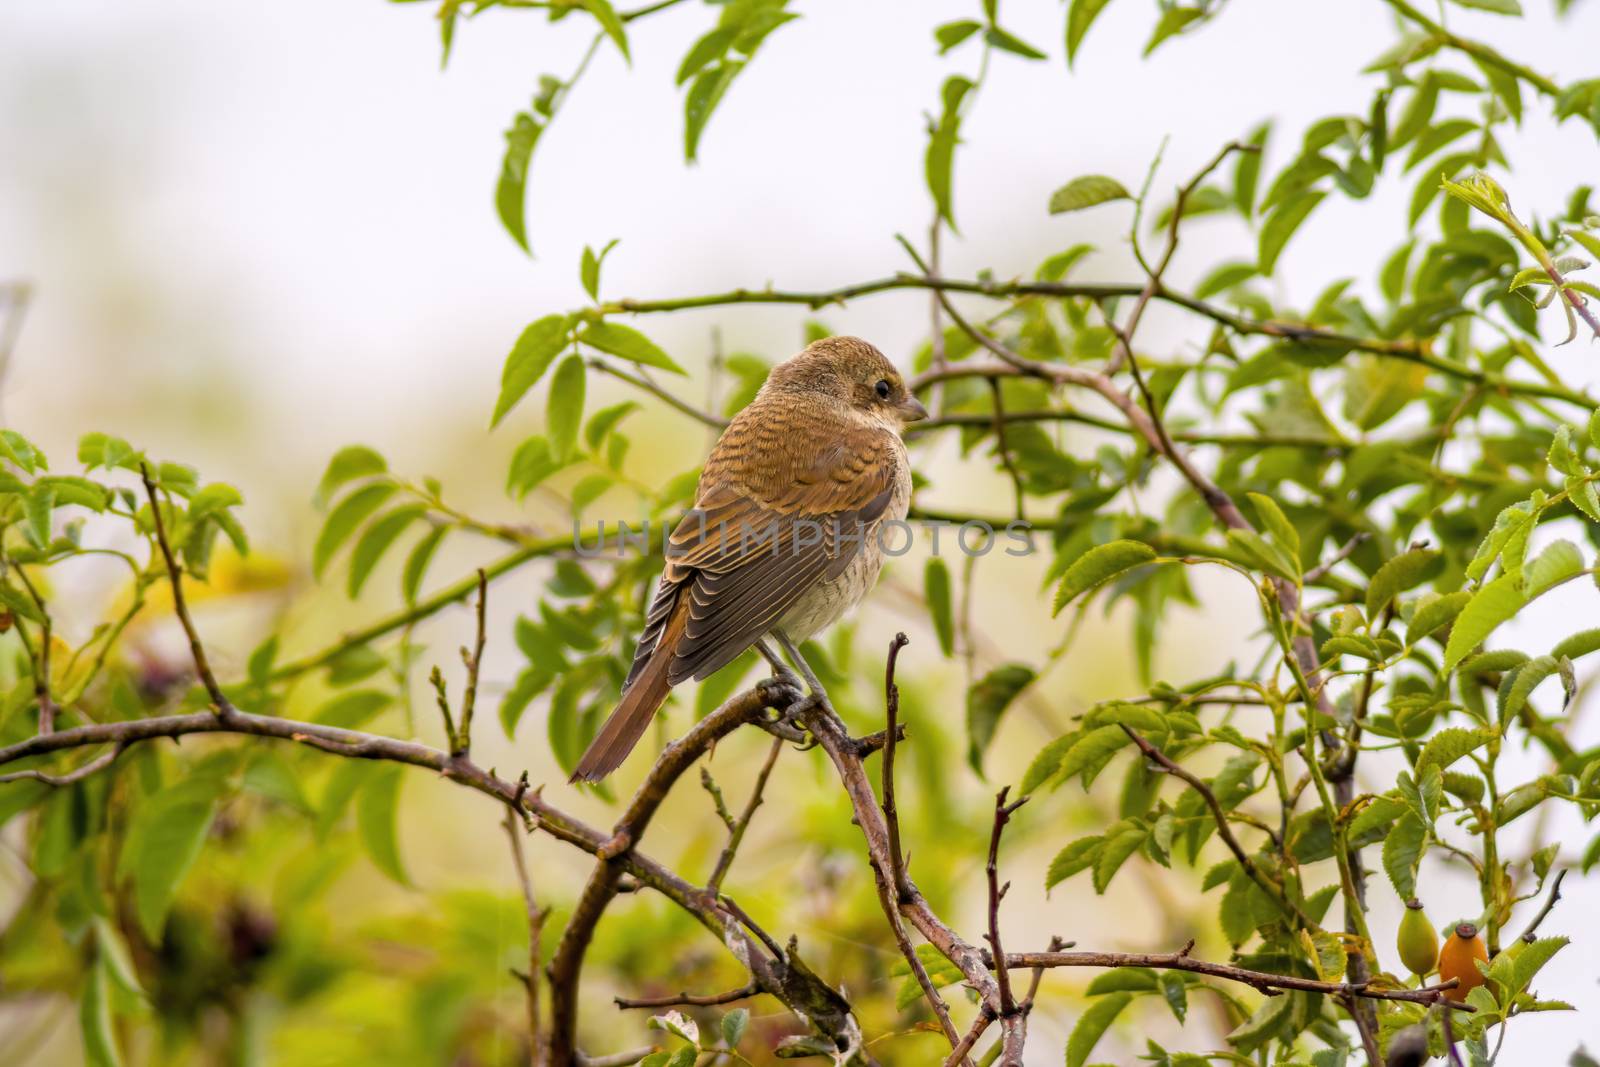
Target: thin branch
[
  {"x": 830, "y": 733},
  {"x": 799, "y": 989},
  {"x": 891, "y": 814},
  {"x": 1418, "y": 351},
  {"x": 219, "y": 702},
  {"x": 997, "y": 892},
  {"x": 536, "y": 917},
  {"x": 1261, "y": 981},
  {"x": 1549, "y": 904},
  {"x": 639, "y": 381},
  {"x": 959, "y": 1054},
  {"x": 1320, "y": 571},
  {"x": 473, "y": 660},
  {"x": 737, "y": 828},
  {"x": 41, "y": 666},
  {"x": 708, "y": 1000},
  {"x": 567, "y": 964},
  {"x": 422, "y": 609},
  {"x": 1220, "y": 817},
  {"x": 99, "y": 763}
]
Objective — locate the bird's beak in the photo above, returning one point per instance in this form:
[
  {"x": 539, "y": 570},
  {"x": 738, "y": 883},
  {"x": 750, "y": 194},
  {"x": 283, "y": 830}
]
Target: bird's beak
[{"x": 911, "y": 409}]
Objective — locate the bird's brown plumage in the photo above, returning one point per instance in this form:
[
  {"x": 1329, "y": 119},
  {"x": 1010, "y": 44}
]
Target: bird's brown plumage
[{"x": 783, "y": 528}]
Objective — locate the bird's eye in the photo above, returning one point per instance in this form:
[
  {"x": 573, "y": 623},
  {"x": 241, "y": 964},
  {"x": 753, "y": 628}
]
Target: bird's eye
[{"x": 882, "y": 388}]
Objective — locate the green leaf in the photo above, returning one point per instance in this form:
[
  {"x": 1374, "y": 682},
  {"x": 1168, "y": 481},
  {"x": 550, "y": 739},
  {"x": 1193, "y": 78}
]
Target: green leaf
[
  {"x": 1047, "y": 762},
  {"x": 531, "y": 464},
  {"x": 611, "y": 23},
  {"x": 733, "y": 1026},
  {"x": 510, "y": 192},
  {"x": 376, "y": 818},
  {"x": 1405, "y": 571},
  {"x": 589, "y": 268},
  {"x": 536, "y": 348},
  {"x": 1115, "y": 852},
  {"x": 350, "y": 513},
  {"x": 1433, "y": 613},
  {"x": 703, "y": 97},
  {"x": 1449, "y": 745},
  {"x": 1560, "y": 561},
  {"x": 352, "y": 710},
  {"x": 1171, "y": 23},
  {"x": 1092, "y": 1024},
  {"x": 1499, "y": 7},
  {"x": 529, "y": 684},
  {"x": 36, "y": 506},
  {"x": 1098, "y": 565},
  {"x": 1247, "y": 171},
  {"x": 627, "y": 343},
  {"x": 1091, "y": 751},
  {"x": 94, "y": 1020},
  {"x": 113, "y": 951},
  {"x": 939, "y": 159},
  {"x": 1489, "y": 607},
  {"x": 953, "y": 33},
  {"x": 711, "y": 47},
  {"x": 1277, "y": 523},
  {"x": 163, "y": 843},
  {"x": 1008, "y": 43},
  {"x": 936, "y": 589},
  {"x": 1176, "y": 993},
  {"x": 564, "y": 409},
  {"x": 1085, "y": 192},
  {"x": 1402, "y": 852},
  {"x": 604, "y": 421},
  {"x": 1076, "y": 856},
  {"x": 1224, "y": 278},
  {"x": 1281, "y": 225},
  {"x": 417, "y": 561},
  {"x": 375, "y": 541},
  {"x": 1079, "y": 18},
  {"x": 1123, "y": 980},
  {"x": 354, "y": 461},
  {"x": 19, "y": 450},
  {"x": 987, "y": 700},
  {"x": 1532, "y": 959}
]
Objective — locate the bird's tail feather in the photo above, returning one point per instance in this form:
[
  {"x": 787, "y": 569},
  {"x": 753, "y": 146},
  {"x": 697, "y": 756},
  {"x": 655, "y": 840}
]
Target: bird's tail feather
[{"x": 633, "y": 713}]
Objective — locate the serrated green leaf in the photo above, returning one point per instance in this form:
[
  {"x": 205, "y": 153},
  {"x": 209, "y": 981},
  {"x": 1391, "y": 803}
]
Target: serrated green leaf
[
  {"x": 1403, "y": 849},
  {"x": 1085, "y": 192},
  {"x": 1489, "y": 607},
  {"x": 1094, "y": 1021},
  {"x": 1449, "y": 745},
  {"x": 537, "y": 347},
  {"x": 1405, "y": 571},
  {"x": 1098, "y": 565},
  {"x": 510, "y": 194},
  {"x": 625, "y": 342}
]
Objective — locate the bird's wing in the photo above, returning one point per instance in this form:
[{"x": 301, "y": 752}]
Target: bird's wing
[{"x": 778, "y": 509}]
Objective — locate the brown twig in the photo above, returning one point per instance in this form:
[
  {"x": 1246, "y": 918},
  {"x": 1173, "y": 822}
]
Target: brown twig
[
  {"x": 1261, "y": 981},
  {"x": 219, "y": 702},
  {"x": 1549, "y": 904},
  {"x": 959, "y": 1054},
  {"x": 708, "y": 1000},
  {"x": 830, "y": 733},
  {"x": 997, "y": 892},
  {"x": 99, "y": 763},
  {"x": 473, "y": 660},
  {"x": 536, "y": 917},
  {"x": 737, "y": 828},
  {"x": 1220, "y": 817},
  {"x": 891, "y": 814},
  {"x": 567, "y": 964}
]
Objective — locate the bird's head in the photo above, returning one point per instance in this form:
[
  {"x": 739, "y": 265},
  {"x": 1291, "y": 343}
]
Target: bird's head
[{"x": 853, "y": 372}]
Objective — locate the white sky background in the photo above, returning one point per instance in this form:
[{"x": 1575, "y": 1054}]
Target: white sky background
[{"x": 259, "y": 232}]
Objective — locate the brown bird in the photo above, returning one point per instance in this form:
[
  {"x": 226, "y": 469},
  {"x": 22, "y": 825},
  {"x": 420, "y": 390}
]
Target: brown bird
[{"x": 783, "y": 537}]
